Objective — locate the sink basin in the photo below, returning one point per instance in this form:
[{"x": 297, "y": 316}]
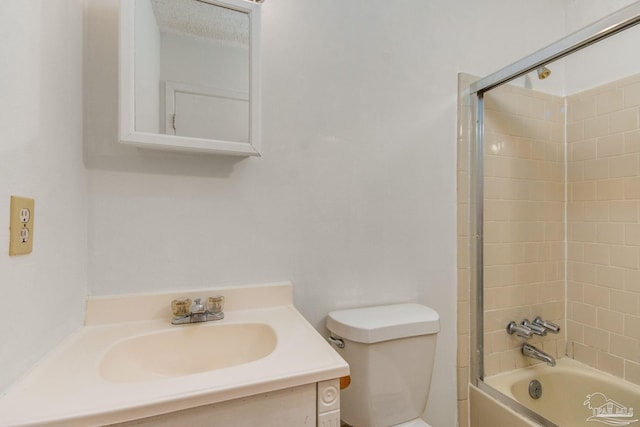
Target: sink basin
[{"x": 186, "y": 350}]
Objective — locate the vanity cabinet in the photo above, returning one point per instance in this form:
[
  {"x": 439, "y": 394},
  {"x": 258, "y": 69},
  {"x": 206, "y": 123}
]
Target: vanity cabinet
[
  {"x": 316, "y": 404},
  {"x": 119, "y": 368}
]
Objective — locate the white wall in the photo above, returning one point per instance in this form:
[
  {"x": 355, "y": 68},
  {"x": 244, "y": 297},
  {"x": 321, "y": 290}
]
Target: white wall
[
  {"x": 609, "y": 60},
  {"x": 354, "y": 197},
  {"x": 42, "y": 293}
]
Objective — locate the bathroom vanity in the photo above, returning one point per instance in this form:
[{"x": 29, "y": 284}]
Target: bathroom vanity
[{"x": 263, "y": 364}]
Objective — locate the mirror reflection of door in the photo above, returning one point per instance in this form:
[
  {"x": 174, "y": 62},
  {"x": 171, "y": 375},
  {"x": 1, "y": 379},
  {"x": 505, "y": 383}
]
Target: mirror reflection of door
[
  {"x": 202, "y": 112},
  {"x": 192, "y": 70}
]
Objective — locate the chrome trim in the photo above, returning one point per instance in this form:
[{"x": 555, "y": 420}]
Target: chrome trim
[
  {"x": 522, "y": 330},
  {"x": 599, "y": 30},
  {"x": 515, "y": 405},
  {"x": 338, "y": 342},
  {"x": 476, "y": 238},
  {"x": 535, "y": 328},
  {"x": 546, "y": 325},
  {"x": 535, "y": 353}
]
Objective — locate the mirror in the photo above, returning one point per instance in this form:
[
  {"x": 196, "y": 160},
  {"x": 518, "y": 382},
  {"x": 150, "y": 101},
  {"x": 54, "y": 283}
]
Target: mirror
[{"x": 189, "y": 75}]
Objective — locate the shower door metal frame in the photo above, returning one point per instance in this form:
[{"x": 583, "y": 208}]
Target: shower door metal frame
[{"x": 612, "y": 24}]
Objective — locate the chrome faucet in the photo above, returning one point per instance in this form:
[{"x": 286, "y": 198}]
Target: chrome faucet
[
  {"x": 531, "y": 351},
  {"x": 522, "y": 330},
  {"x": 185, "y": 312},
  {"x": 548, "y": 326}
]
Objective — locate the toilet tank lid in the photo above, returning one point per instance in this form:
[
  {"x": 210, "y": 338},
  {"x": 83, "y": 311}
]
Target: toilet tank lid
[{"x": 382, "y": 323}]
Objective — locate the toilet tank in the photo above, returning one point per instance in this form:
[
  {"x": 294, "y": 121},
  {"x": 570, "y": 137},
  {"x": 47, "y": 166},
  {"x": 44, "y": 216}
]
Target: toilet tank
[{"x": 390, "y": 350}]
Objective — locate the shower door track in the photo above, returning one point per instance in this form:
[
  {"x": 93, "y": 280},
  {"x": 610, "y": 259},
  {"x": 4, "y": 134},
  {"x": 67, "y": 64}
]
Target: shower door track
[{"x": 612, "y": 24}]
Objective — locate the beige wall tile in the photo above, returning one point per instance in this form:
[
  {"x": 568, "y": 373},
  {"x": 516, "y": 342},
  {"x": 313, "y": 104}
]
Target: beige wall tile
[
  {"x": 463, "y": 318},
  {"x": 626, "y": 165},
  {"x": 625, "y": 302},
  {"x": 583, "y": 313},
  {"x": 596, "y": 253},
  {"x": 611, "y": 145},
  {"x": 596, "y": 127},
  {"x": 596, "y": 169},
  {"x": 596, "y": 211},
  {"x": 632, "y": 234},
  {"x": 575, "y": 171},
  {"x": 596, "y": 338},
  {"x": 495, "y": 298},
  {"x": 575, "y": 133},
  {"x": 610, "y": 277},
  {"x": 584, "y": 150},
  {"x": 632, "y": 95},
  {"x": 609, "y": 101},
  {"x": 632, "y": 188},
  {"x": 624, "y": 347},
  {"x": 625, "y": 120},
  {"x": 463, "y": 350},
  {"x": 581, "y": 108},
  {"x": 624, "y": 256},
  {"x": 610, "y": 233},
  {"x": 611, "y": 364},
  {"x": 612, "y": 321},
  {"x": 576, "y": 211},
  {"x": 632, "y": 280},
  {"x": 632, "y": 326},
  {"x": 611, "y": 189},
  {"x": 463, "y": 412},
  {"x": 575, "y": 291},
  {"x": 596, "y": 296},
  {"x": 585, "y": 354},
  {"x": 623, "y": 211},
  {"x": 582, "y": 272},
  {"x": 632, "y": 372},
  {"x": 632, "y": 142}
]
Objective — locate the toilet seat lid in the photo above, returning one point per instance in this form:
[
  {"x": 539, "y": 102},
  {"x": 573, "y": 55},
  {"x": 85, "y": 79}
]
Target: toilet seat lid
[{"x": 383, "y": 323}]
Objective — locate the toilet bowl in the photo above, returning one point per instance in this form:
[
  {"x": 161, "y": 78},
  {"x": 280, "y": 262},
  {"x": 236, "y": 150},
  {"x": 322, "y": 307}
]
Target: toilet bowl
[{"x": 390, "y": 350}]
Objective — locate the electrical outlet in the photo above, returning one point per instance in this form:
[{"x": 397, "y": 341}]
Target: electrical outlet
[{"x": 21, "y": 226}]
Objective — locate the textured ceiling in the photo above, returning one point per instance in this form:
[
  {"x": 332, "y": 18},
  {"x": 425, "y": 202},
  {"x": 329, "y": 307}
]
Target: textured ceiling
[{"x": 202, "y": 19}]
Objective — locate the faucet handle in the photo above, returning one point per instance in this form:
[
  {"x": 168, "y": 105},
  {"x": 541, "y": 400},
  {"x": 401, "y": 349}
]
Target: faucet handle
[
  {"x": 181, "y": 307},
  {"x": 519, "y": 330},
  {"x": 197, "y": 306},
  {"x": 535, "y": 328},
  {"x": 549, "y": 326},
  {"x": 215, "y": 304}
]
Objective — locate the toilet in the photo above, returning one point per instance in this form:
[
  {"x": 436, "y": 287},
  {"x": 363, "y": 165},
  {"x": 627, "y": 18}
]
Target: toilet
[{"x": 390, "y": 350}]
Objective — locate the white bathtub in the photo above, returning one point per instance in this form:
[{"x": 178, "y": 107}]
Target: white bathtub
[{"x": 573, "y": 394}]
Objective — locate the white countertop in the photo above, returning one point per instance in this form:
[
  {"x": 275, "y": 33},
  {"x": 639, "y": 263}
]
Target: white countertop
[{"x": 66, "y": 387}]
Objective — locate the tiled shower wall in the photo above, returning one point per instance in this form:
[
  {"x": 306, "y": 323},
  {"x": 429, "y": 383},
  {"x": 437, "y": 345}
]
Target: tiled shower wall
[
  {"x": 603, "y": 236},
  {"x": 463, "y": 233},
  {"x": 525, "y": 193},
  {"x": 524, "y": 228}
]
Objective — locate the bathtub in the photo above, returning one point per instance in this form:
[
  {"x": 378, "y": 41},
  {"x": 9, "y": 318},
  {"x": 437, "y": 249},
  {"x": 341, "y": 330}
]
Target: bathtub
[{"x": 573, "y": 395}]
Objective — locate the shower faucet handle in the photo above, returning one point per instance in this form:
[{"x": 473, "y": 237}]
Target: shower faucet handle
[
  {"x": 535, "y": 328},
  {"x": 549, "y": 326},
  {"x": 519, "y": 330}
]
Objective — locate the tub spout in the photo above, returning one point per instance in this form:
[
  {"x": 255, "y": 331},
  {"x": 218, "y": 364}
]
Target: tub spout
[{"x": 530, "y": 351}]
